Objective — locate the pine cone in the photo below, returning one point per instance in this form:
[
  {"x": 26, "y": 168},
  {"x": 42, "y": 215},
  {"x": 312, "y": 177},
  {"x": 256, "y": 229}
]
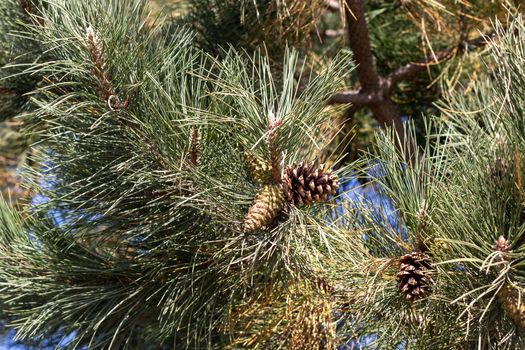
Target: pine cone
[
  {"x": 259, "y": 170},
  {"x": 304, "y": 184},
  {"x": 267, "y": 204},
  {"x": 512, "y": 299},
  {"x": 414, "y": 276}
]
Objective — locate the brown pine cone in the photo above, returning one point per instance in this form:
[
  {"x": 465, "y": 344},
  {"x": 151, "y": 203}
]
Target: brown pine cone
[
  {"x": 304, "y": 184},
  {"x": 414, "y": 276}
]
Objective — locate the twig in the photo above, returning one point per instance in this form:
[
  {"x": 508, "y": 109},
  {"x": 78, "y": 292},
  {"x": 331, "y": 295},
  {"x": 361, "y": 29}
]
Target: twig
[
  {"x": 273, "y": 149},
  {"x": 409, "y": 70},
  {"x": 378, "y": 92},
  {"x": 106, "y": 91},
  {"x": 108, "y": 94},
  {"x": 356, "y": 98},
  {"x": 194, "y": 146}
]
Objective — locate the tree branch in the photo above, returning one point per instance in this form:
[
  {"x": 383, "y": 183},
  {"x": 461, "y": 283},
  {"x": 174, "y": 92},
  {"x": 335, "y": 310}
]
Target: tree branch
[
  {"x": 359, "y": 42},
  {"x": 409, "y": 70},
  {"x": 355, "y": 97},
  {"x": 194, "y": 146},
  {"x": 375, "y": 90},
  {"x": 108, "y": 95},
  {"x": 384, "y": 110},
  {"x": 363, "y": 99}
]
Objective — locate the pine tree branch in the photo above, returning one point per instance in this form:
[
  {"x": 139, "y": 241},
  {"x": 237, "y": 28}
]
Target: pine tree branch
[
  {"x": 359, "y": 42},
  {"x": 194, "y": 146},
  {"x": 409, "y": 70},
  {"x": 108, "y": 94},
  {"x": 355, "y": 97},
  {"x": 384, "y": 110},
  {"x": 375, "y": 90},
  {"x": 106, "y": 91}
]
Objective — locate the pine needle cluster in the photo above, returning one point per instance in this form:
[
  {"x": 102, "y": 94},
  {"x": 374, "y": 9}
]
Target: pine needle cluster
[
  {"x": 141, "y": 240},
  {"x": 458, "y": 232}
]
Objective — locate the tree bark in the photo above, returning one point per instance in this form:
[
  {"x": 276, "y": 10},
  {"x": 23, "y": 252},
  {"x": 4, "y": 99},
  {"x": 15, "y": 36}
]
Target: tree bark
[
  {"x": 384, "y": 110},
  {"x": 374, "y": 92},
  {"x": 407, "y": 71},
  {"x": 364, "y": 98}
]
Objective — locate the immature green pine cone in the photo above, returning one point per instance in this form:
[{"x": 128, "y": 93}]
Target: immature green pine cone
[
  {"x": 267, "y": 204},
  {"x": 259, "y": 170},
  {"x": 512, "y": 299}
]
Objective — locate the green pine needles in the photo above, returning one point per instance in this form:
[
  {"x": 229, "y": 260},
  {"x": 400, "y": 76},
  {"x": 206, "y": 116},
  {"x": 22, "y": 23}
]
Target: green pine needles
[
  {"x": 458, "y": 232},
  {"x": 184, "y": 203},
  {"x": 140, "y": 241}
]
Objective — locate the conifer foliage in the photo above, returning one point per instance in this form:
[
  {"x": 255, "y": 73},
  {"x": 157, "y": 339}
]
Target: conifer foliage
[
  {"x": 154, "y": 229},
  {"x": 186, "y": 204},
  {"x": 447, "y": 274}
]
